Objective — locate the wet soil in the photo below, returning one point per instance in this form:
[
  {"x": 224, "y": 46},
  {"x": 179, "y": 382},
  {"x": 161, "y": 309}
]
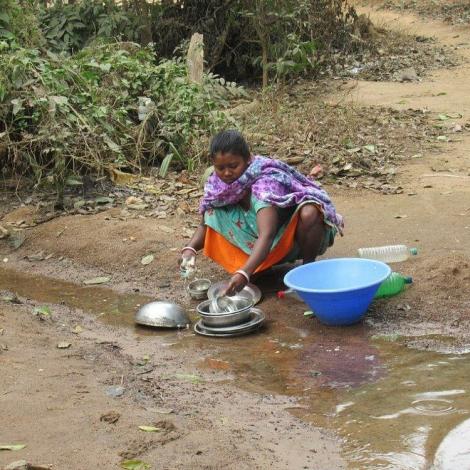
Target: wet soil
[
  {"x": 344, "y": 379},
  {"x": 390, "y": 392},
  {"x": 56, "y": 401}
]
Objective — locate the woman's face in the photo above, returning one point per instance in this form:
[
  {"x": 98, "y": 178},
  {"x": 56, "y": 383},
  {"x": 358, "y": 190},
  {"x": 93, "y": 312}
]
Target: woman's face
[{"x": 229, "y": 166}]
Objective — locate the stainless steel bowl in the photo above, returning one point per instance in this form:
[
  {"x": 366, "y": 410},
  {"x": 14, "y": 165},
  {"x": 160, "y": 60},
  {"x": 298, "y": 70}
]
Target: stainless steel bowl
[
  {"x": 198, "y": 288},
  {"x": 241, "y": 314},
  {"x": 162, "y": 315},
  {"x": 222, "y": 304},
  {"x": 250, "y": 291}
]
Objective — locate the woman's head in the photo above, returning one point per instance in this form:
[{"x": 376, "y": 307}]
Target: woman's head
[{"x": 230, "y": 155}]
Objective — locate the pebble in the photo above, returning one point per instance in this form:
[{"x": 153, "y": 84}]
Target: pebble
[
  {"x": 115, "y": 391},
  {"x": 408, "y": 75}
]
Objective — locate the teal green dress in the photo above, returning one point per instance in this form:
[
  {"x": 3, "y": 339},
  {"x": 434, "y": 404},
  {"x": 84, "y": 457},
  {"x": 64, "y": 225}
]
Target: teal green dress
[{"x": 239, "y": 226}]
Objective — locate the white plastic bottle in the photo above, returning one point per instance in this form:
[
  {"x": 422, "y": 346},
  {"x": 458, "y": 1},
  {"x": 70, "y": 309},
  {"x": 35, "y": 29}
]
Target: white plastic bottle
[{"x": 387, "y": 254}]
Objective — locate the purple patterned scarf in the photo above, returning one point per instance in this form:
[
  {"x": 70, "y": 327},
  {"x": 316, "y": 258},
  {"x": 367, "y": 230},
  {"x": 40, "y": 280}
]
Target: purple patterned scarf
[{"x": 271, "y": 181}]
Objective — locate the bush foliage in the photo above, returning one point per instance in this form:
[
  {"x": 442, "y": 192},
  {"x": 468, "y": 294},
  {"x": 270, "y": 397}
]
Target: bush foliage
[
  {"x": 72, "y": 75},
  {"x": 242, "y": 36},
  {"x": 62, "y": 115},
  {"x": 244, "y": 39},
  {"x": 70, "y": 27},
  {"x": 19, "y": 23}
]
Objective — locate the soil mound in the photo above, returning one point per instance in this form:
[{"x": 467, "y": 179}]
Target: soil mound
[
  {"x": 447, "y": 276},
  {"x": 440, "y": 293}
]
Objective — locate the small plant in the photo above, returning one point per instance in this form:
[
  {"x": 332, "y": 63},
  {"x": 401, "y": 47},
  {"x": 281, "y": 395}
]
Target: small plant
[{"x": 299, "y": 57}]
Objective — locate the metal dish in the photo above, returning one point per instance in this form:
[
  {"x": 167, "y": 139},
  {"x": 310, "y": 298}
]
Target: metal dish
[
  {"x": 256, "y": 323},
  {"x": 200, "y": 330},
  {"x": 239, "y": 315},
  {"x": 256, "y": 318},
  {"x": 198, "y": 288},
  {"x": 249, "y": 291},
  {"x": 222, "y": 304},
  {"x": 162, "y": 315}
]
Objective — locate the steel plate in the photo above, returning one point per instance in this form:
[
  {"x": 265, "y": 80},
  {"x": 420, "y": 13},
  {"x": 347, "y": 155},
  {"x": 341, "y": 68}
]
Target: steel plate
[
  {"x": 238, "y": 330},
  {"x": 256, "y": 317}
]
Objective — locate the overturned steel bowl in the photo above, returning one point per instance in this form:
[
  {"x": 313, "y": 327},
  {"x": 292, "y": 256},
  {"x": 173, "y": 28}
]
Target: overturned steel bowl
[
  {"x": 162, "y": 315},
  {"x": 241, "y": 313},
  {"x": 198, "y": 288}
]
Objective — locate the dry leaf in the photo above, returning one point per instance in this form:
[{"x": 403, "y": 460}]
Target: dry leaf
[
  {"x": 166, "y": 229},
  {"x": 149, "y": 428},
  {"x": 134, "y": 465},
  {"x": 96, "y": 280},
  {"x": 12, "y": 446},
  {"x": 147, "y": 259}
]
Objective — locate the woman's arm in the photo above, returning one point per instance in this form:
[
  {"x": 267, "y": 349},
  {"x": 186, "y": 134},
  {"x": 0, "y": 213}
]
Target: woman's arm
[
  {"x": 267, "y": 220},
  {"x": 197, "y": 240},
  {"x": 188, "y": 253}
]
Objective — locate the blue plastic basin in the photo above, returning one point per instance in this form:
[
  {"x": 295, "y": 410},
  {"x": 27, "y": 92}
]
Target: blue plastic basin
[{"x": 339, "y": 291}]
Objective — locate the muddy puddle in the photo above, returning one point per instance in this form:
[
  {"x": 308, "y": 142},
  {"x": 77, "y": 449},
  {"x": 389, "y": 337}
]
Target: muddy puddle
[
  {"x": 109, "y": 306},
  {"x": 394, "y": 407}
]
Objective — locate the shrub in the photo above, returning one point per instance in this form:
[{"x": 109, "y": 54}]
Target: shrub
[
  {"x": 243, "y": 39},
  {"x": 70, "y": 27},
  {"x": 246, "y": 37},
  {"x": 61, "y": 115},
  {"x": 19, "y": 23}
]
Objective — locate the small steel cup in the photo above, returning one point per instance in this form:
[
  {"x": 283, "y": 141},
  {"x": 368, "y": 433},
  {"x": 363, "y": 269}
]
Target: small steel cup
[{"x": 198, "y": 288}]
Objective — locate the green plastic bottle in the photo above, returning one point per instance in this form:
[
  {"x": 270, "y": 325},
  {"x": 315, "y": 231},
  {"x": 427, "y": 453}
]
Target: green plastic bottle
[{"x": 393, "y": 285}]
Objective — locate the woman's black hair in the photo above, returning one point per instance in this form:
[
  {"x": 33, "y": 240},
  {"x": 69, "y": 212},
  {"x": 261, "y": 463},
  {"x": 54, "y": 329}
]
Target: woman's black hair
[{"x": 229, "y": 141}]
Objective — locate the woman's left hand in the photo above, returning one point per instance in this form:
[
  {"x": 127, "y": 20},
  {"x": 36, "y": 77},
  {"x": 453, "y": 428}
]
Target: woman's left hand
[{"x": 236, "y": 284}]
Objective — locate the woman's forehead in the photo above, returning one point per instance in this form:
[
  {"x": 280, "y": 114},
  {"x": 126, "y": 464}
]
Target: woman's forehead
[{"x": 227, "y": 158}]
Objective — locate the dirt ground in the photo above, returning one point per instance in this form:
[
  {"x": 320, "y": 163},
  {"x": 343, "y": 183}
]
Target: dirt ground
[
  {"x": 56, "y": 400},
  {"x": 455, "y": 11}
]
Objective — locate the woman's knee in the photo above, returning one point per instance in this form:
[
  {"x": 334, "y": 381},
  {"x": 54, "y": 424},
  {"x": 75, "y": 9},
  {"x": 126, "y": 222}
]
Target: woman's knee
[{"x": 310, "y": 215}]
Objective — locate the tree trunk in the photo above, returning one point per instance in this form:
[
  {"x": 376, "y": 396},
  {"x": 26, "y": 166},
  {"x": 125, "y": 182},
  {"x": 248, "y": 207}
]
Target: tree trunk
[
  {"x": 264, "y": 60},
  {"x": 145, "y": 13},
  {"x": 263, "y": 34}
]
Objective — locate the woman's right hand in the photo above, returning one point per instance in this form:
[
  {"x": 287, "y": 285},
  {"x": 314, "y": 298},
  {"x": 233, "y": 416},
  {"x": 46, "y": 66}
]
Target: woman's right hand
[{"x": 236, "y": 283}]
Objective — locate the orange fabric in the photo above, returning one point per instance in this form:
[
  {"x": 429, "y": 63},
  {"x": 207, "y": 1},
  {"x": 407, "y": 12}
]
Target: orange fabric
[{"x": 231, "y": 258}]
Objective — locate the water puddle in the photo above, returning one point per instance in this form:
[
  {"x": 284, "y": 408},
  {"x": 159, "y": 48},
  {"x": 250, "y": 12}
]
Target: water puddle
[
  {"x": 109, "y": 306},
  {"x": 399, "y": 421},
  {"x": 454, "y": 451},
  {"x": 394, "y": 407}
]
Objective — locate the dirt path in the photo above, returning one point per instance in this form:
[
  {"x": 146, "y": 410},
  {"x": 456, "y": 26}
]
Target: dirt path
[
  {"x": 443, "y": 90},
  {"x": 441, "y": 178},
  {"x": 433, "y": 213}
]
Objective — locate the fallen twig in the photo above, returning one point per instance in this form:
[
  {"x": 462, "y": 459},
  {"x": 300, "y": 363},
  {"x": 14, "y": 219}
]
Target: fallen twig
[{"x": 435, "y": 175}]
